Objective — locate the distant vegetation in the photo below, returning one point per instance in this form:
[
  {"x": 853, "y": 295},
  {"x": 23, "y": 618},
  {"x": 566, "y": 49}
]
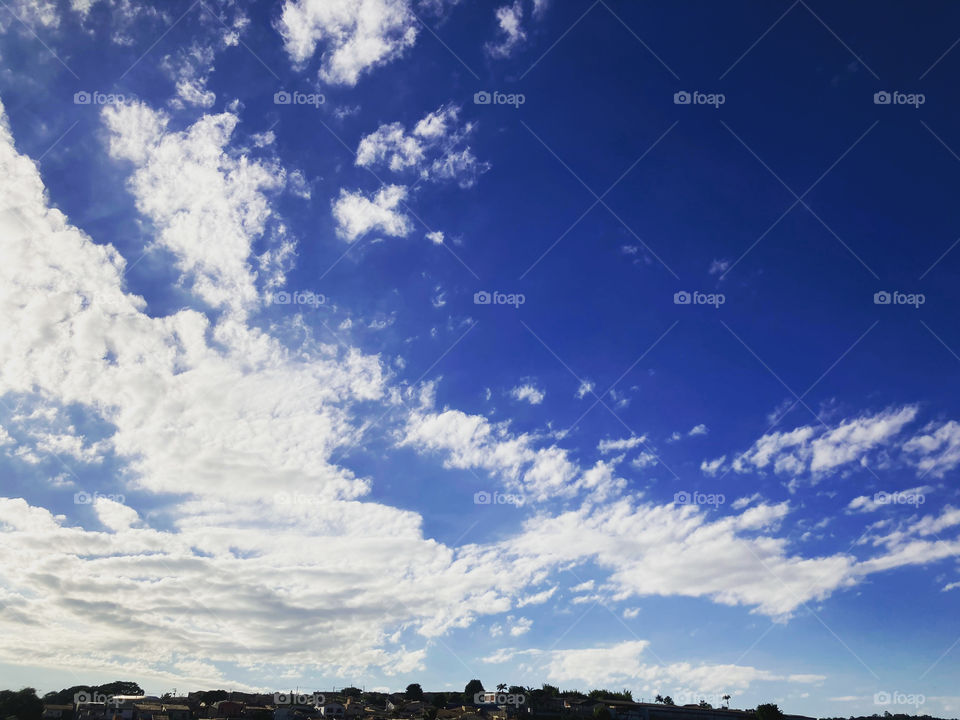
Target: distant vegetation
[{"x": 25, "y": 705}]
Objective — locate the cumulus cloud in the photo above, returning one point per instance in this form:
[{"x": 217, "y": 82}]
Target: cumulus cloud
[
  {"x": 224, "y": 424},
  {"x": 435, "y": 148},
  {"x": 936, "y": 450},
  {"x": 209, "y": 203},
  {"x": 528, "y": 393},
  {"x": 354, "y": 36},
  {"x": 621, "y": 444},
  {"x": 472, "y": 441},
  {"x": 509, "y": 28},
  {"x": 815, "y": 450},
  {"x": 356, "y": 214},
  {"x": 631, "y": 663},
  {"x": 585, "y": 388}
]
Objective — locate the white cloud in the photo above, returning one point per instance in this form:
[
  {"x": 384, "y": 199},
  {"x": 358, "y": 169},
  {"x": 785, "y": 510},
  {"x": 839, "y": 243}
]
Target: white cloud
[
  {"x": 357, "y": 214},
  {"x": 625, "y": 664},
  {"x": 712, "y": 467},
  {"x": 471, "y": 441},
  {"x": 355, "y": 35},
  {"x": 621, "y": 444},
  {"x": 436, "y": 237},
  {"x": 644, "y": 459},
  {"x": 521, "y": 626},
  {"x": 743, "y": 502},
  {"x": 586, "y": 387},
  {"x": 700, "y": 429},
  {"x": 528, "y": 393},
  {"x": 819, "y": 450},
  {"x": 866, "y": 503},
  {"x": 537, "y": 598},
  {"x": 510, "y": 30},
  {"x": 936, "y": 451},
  {"x": 209, "y": 204},
  {"x": 222, "y": 424},
  {"x": 718, "y": 267},
  {"x": 435, "y": 149}
]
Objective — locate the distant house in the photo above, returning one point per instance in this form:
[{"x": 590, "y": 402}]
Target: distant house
[
  {"x": 332, "y": 710},
  {"x": 226, "y": 709},
  {"x": 176, "y": 711},
  {"x": 581, "y": 707},
  {"x": 147, "y": 711},
  {"x": 58, "y": 712},
  {"x": 254, "y": 712}
]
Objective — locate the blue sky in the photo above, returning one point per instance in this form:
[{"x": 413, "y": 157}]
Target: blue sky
[{"x": 260, "y": 429}]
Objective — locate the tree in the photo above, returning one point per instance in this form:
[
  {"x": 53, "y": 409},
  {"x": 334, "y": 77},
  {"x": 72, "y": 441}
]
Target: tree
[
  {"x": 473, "y": 687},
  {"x": 550, "y": 690},
  {"x": 668, "y": 701},
  {"x": 414, "y": 692},
  {"x": 352, "y": 692},
  {"x": 21, "y": 704},
  {"x": 601, "y": 712},
  {"x": 120, "y": 687},
  {"x": 599, "y": 694},
  {"x": 502, "y": 687},
  {"x": 438, "y": 700},
  {"x": 726, "y": 701},
  {"x": 769, "y": 711}
]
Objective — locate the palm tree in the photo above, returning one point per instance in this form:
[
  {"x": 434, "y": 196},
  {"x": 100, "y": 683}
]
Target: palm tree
[{"x": 502, "y": 687}]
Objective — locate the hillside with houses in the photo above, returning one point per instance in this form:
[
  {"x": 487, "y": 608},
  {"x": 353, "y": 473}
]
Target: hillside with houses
[{"x": 126, "y": 701}]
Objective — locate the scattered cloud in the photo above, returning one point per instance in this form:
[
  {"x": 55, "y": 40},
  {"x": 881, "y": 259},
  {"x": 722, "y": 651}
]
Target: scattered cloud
[
  {"x": 355, "y": 35},
  {"x": 357, "y": 215},
  {"x": 528, "y": 393},
  {"x": 435, "y": 149}
]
